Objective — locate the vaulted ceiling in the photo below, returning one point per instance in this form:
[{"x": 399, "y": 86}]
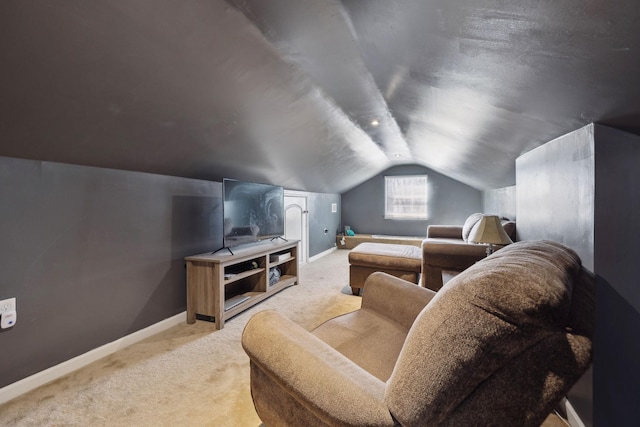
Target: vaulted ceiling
[{"x": 315, "y": 95}]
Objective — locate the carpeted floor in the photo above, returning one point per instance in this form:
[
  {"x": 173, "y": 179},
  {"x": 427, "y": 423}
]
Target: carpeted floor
[{"x": 188, "y": 375}]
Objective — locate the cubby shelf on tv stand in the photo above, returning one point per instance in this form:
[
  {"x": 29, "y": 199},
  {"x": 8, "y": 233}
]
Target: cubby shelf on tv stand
[{"x": 213, "y": 279}]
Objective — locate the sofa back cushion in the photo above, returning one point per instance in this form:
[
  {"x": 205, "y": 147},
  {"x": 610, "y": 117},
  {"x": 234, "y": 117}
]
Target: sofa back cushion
[
  {"x": 474, "y": 219},
  {"x": 468, "y": 225},
  {"x": 477, "y": 323},
  {"x": 509, "y": 227}
]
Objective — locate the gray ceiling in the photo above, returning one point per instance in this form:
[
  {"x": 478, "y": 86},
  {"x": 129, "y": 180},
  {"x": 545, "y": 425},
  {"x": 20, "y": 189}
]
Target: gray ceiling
[{"x": 285, "y": 91}]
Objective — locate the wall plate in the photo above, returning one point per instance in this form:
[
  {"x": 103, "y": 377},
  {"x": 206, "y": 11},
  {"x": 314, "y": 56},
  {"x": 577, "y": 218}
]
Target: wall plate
[{"x": 8, "y": 304}]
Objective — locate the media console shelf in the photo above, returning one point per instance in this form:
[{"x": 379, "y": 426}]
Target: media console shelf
[{"x": 222, "y": 285}]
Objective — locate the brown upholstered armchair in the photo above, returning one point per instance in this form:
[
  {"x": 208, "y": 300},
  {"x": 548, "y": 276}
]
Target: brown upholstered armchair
[
  {"x": 447, "y": 248},
  {"x": 500, "y": 344}
]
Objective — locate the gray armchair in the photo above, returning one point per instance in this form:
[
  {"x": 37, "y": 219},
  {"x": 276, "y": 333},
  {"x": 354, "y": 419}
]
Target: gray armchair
[{"x": 500, "y": 344}]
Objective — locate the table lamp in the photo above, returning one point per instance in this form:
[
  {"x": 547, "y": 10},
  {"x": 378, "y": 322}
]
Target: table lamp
[{"x": 490, "y": 231}]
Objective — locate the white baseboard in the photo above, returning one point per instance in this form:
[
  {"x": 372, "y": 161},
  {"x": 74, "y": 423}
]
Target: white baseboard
[
  {"x": 38, "y": 379},
  {"x": 572, "y": 416},
  {"x": 321, "y": 254}
]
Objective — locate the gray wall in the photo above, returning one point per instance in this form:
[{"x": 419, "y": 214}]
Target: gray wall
[
  {"x": 555, "y": 193},
  {"x": 94, "y": 254},
  {"x": 555, "y": 188},
  {"x": 321, "y": 218},
  {"x": 500, "y": 201},
  {"x": 582, "y": 190},
  {"x": 450, "y": 202},
  {"x": 617, "y": 253}
]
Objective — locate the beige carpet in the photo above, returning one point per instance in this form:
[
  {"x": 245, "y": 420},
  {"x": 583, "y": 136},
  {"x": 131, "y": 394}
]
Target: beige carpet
[{"x": 189, "y": 375}]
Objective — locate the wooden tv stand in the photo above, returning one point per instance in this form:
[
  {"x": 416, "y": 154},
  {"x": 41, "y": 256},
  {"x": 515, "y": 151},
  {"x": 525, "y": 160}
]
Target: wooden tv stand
[{"x": 237, "y": 281}]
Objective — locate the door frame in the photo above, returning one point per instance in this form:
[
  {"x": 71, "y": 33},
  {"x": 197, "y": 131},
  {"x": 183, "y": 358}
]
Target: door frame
[{"x": 304, "y": 242}]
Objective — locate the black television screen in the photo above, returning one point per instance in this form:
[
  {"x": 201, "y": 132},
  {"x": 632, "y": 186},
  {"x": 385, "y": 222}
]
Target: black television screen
[{"x": 252, "y": 212}]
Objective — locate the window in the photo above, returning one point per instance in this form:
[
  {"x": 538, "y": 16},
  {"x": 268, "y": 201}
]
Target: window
[{"x": 405, "y": 197}]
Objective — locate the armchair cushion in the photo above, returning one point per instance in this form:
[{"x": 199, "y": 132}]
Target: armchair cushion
[
  {"x": 468, "y": 225},
  {"x": 389, "y": 308}
]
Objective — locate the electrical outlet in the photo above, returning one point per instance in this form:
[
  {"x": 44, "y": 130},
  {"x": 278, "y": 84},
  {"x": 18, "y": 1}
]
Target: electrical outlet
[{"x": 7, "y": 305}]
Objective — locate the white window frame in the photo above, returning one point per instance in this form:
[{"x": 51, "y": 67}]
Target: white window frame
[{"x": 406, "y": 202}]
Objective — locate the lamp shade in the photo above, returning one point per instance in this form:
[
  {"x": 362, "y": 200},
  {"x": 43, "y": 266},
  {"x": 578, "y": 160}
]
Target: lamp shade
[{"x": 489, "y": 230}]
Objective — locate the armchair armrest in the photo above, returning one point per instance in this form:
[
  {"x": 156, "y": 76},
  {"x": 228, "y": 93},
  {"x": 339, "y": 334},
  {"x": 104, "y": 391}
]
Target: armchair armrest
[
  {"x": 327, "y": 383},
  {"x": 395, "y": 298},
  {"x": 445, "y": 231}
]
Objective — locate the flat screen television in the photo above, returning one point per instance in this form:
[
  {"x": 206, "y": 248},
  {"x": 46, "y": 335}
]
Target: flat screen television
[{"x": 252, "y": 212}]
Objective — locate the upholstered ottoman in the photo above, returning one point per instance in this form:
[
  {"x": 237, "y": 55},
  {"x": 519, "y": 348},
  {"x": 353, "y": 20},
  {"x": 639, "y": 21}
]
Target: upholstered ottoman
[{"x": 404, "y": 261}]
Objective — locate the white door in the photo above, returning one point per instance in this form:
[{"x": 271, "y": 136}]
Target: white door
[{"x": 296, "y": 225}]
